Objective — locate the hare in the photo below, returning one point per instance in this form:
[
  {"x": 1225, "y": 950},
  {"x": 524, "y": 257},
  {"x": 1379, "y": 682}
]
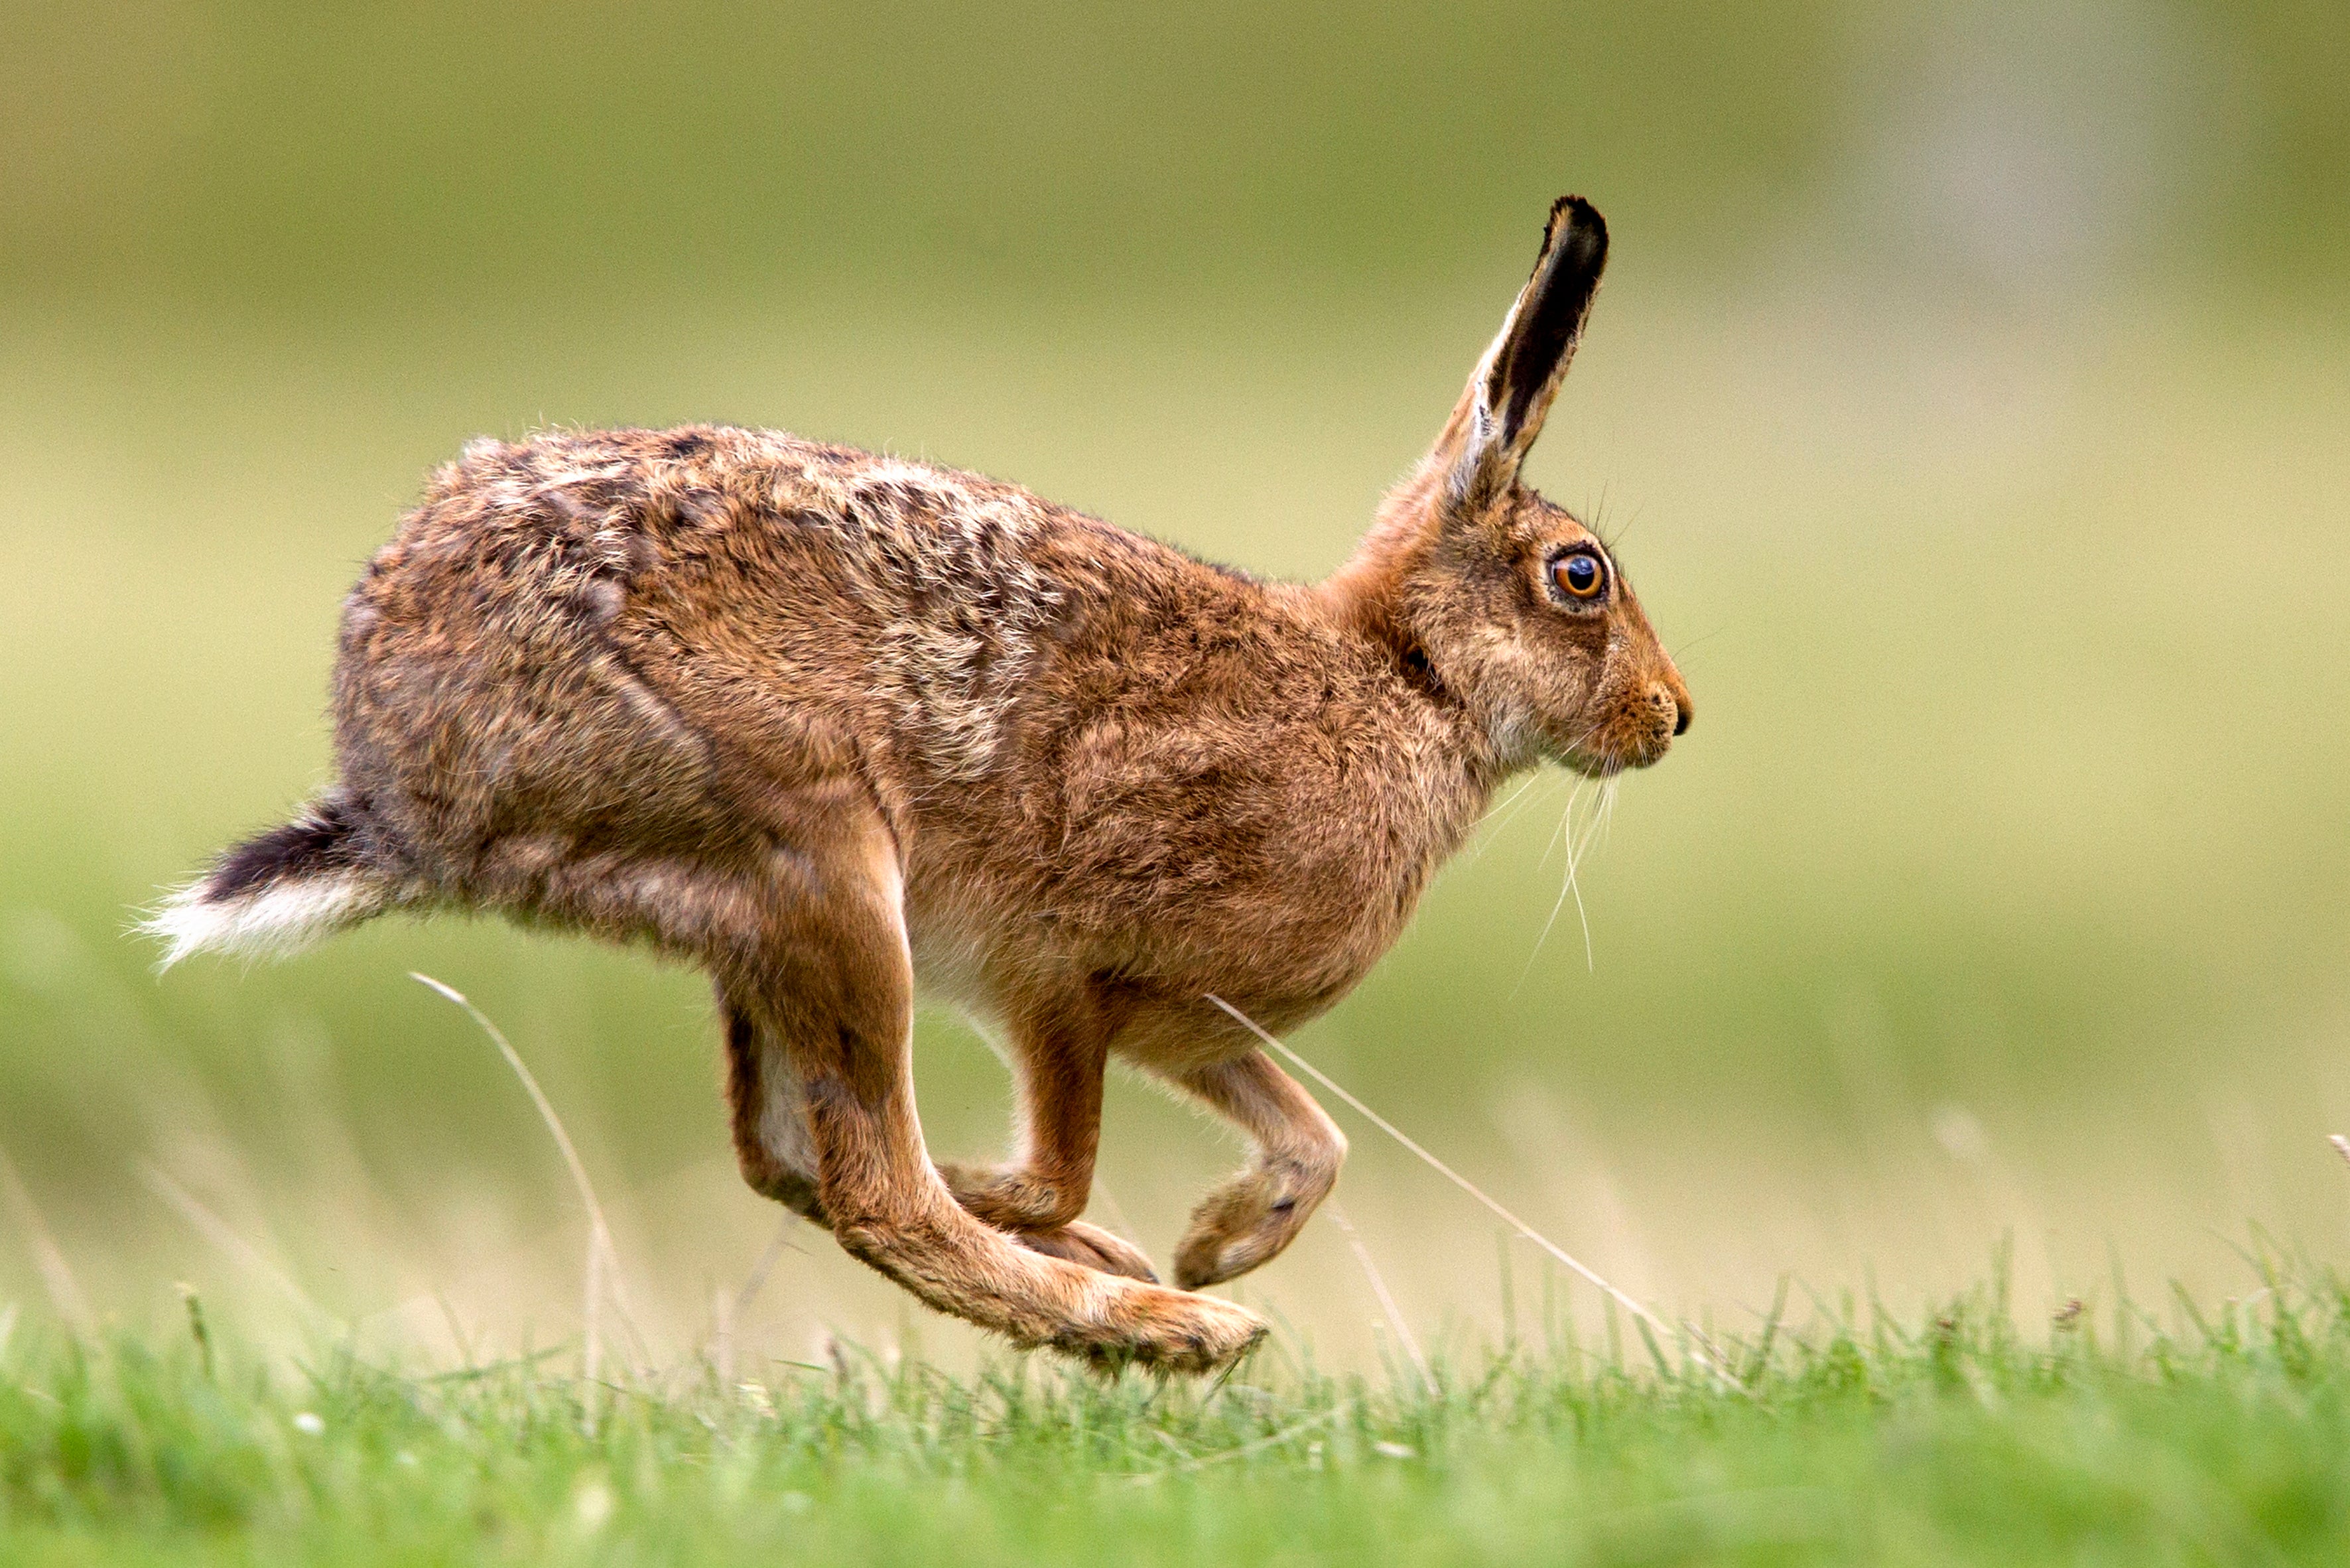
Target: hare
[{"x": 833, "y": 725}]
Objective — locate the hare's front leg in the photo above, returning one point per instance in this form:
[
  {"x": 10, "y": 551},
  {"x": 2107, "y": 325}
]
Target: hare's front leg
[
  {"x": 1297, "y": 1152},
  {"x": 824, "y": 974},
  {"x": 1058, "y": 1056},
  {"x": 772, "y": 1142}
]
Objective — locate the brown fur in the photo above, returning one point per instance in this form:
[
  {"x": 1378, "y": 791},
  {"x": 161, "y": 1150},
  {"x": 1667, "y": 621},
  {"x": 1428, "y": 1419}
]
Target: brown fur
[{"x": 828, "y": 724}]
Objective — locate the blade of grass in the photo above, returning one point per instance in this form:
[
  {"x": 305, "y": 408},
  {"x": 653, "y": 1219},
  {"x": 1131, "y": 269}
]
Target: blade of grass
[
  {"x": 1287, "y": 1434},
  {"x": 1761, "y": 1359}
]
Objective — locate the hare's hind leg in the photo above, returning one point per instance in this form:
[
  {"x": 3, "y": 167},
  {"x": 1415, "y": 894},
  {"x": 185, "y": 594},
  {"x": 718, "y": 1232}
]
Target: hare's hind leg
[
  {"x": 778, "y": 1154},
  {"x": 1058, "y": 1049},
  {"x": 827, "y": 980},
  {"x": 1295, "y": 1161}
]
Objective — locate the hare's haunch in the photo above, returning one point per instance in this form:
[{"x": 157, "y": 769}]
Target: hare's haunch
[{"x": 832, "y": 725}]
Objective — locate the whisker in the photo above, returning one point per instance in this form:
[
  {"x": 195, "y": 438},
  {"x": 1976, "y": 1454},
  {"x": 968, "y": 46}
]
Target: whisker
[
  {"x": 1514, "y": 805},
  {"x": 1568, "y": 887},
  {"x": 1680, "y": 648},
  {"x": 1511, "y": 798},
  {"x": 1565, "y": 826},
  {"x": 1574, "y": 862}
]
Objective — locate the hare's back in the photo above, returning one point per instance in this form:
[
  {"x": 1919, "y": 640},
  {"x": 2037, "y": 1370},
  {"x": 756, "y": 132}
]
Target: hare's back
[{"x": 624, "y": 634}]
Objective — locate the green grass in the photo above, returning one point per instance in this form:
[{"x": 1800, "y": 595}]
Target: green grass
[{"x": 2112, "y": 1434}]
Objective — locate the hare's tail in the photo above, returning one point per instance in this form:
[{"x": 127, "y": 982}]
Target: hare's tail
[{"x": 280, "y": 891}]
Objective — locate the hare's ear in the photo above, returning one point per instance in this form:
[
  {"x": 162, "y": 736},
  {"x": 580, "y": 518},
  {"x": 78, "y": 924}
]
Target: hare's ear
[{"x": 1502, "y": 411}]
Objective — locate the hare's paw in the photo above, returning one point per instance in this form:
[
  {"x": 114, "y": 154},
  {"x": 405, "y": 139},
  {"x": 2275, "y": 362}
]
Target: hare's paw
[
  {"x": 1173, "y": 1331},
  {"x": 1090, "y": 1247},
  {"x": 1248, "y": 1221}
]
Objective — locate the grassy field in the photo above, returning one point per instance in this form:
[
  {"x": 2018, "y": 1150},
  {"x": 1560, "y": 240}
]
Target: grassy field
[{"x": 2114, "y": 1433}]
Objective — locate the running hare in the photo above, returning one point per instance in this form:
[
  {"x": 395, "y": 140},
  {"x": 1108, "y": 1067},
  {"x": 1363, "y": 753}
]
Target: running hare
[{"x": 832, "y": 725}]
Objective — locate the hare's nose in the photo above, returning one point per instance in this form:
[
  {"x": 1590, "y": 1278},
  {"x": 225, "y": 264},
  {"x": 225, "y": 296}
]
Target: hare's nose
[{"x": 1670, "y": 693}]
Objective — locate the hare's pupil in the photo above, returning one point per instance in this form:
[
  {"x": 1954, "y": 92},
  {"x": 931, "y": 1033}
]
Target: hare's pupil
[{"x": 1581, "y": 573}]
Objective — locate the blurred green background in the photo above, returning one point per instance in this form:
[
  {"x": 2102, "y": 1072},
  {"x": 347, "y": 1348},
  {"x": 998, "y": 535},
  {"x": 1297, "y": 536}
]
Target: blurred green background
[{"x": 1971, "y": 397}]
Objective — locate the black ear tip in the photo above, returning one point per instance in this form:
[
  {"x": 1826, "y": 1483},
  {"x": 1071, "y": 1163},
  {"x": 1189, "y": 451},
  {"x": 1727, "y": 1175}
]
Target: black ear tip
[{"x": 1572, "y": 215}]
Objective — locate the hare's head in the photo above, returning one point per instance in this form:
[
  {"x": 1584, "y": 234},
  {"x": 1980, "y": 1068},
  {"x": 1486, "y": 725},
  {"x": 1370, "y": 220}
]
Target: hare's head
[{"x": 1519, "y": 609}]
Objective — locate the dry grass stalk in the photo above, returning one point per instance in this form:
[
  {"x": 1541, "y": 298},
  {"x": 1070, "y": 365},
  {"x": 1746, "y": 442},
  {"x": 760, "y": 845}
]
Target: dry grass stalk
[
  {"x": 224, "y": 1235},
  {"x": 1700, "y": 1356},
  {"x": 49, "y": 1258},
  {"x": 1380, "y": 1288},
  {"x": 601, "y": 1256},
  {"x": 729, "y": 1314}
]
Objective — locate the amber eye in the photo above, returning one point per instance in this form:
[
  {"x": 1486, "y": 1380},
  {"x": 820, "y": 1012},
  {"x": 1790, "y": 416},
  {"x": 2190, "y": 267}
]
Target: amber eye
[{"x": 1579, "y": 576}]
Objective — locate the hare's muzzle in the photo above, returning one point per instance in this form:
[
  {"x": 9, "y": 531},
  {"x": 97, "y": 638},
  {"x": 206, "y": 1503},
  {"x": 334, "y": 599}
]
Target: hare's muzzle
[{"x": 1640, "y": 731}]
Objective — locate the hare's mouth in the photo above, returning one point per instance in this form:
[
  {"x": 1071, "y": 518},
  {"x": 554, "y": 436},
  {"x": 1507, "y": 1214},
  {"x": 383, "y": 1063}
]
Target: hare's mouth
[
  {"x": 1593, "y": 762},
  {"x": 1604, "y": 756}
]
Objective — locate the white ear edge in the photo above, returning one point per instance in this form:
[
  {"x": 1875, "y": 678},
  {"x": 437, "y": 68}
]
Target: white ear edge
[{"x": 1483, "y": 436}]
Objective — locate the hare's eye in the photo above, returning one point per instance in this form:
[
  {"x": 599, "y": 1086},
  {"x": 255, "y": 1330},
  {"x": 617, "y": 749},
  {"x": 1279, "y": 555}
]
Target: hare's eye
[{"x": 1579, "y": 576}]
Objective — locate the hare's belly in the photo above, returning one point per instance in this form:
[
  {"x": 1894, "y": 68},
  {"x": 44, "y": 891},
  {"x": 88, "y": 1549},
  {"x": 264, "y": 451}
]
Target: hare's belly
[
  {"x": 1282, "y": 962},
  {"x": 952, "y": 964}
]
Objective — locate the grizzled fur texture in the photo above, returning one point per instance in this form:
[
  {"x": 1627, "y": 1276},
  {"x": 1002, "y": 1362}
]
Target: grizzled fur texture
[{"x": 830, "y": 725}]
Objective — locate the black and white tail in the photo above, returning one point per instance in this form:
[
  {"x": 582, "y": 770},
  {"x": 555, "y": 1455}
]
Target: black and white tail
[{"x": 278, "y": 892}]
